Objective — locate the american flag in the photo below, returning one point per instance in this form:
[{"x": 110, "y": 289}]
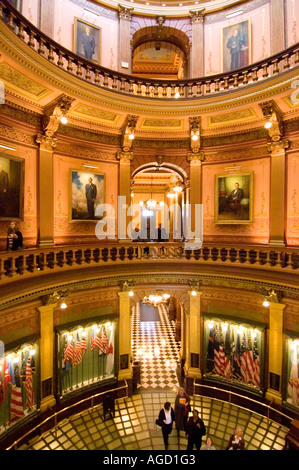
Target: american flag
[
  {"x": 104, "y": 342},
  {"x": 222, "y": 363},
  {"x": 83, "y": 345},
  {"x": 95, "y": 340},
  {"x": 77, "y": 357},
  {"x": 16, "y": 403},
  {"x": 69, "y": 351},
  {"x": 29, "y": 385},
  {"x": 250, "y": 364},
  {"x": 256, "y": 364}
]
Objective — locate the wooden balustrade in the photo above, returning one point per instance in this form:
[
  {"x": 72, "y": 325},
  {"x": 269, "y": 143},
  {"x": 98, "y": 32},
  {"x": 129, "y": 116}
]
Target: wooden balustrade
[
  {"x": 35, "y": 261},
  {"x": 122, "y": 83}
]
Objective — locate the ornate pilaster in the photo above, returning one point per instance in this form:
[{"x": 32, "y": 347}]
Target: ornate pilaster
[
  {"x": 124, "y": 337},
  {"x": 276, "y": 147},
  {"x": 197, "y": 52},
  {"x": 47, "y": 142},
  {"x": 124, "y": 46},
  {"x": 46, "y": 355},
  {"x": 192, "y": 365},
  {"x": 124, "y": 193}
]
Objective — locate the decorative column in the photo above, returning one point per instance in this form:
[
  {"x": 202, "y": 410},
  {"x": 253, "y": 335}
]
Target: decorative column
[
  {"x": 277, "y": 26},
  {"x": 125, "y": 156},
  {"x": 46, "y": 355},
  {"x": 124, "y": 48},
  {"x": 192, "y": 365},
  {"x": 277, "y": 147},
  {"x": 276, "y": 345},
  {"x": 197, "y": 53},
  {"x": 124, "y": 336},
  {"x": 195, "y": 159},
  {"x": 47, "y": 143}
]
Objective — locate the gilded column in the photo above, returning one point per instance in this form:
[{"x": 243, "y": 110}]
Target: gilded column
[
  {"x": 124, "y": 337},
  {"x": 45, "y": 191},
  {"x": 276, "y": 344},
  {"x": 278, "y": 192},
  {"x": 47, "y": 354},
  {"x": 197, "y": 51},
  {"x": 124, "y": 193},
  {"x": 124, "y": 48},
  {"x": 192, "y": 365}
]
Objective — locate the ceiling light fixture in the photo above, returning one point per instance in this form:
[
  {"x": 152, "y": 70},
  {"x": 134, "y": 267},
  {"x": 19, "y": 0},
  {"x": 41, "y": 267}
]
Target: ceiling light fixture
[{"x": 63, "y": 120}]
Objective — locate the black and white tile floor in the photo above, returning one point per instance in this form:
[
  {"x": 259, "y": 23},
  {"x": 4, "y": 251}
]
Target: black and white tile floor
[
  {"x": 154, "y": 346},
  {"x": 134, "y": 428}
]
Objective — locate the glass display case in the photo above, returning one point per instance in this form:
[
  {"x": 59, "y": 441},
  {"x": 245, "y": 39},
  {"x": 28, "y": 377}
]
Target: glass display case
[
  {"x": 86, "y": 355},
  {"x": 292, "y": 378},
  {"x": 234, "y": 352},
  {"x": 18, "y": 383}
]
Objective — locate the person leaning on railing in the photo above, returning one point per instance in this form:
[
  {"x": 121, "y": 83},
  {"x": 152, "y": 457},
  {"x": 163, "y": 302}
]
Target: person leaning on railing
[{"x": 14, "y": 238}]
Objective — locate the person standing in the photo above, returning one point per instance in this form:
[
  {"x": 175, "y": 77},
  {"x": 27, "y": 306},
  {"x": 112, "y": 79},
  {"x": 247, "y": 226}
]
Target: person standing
[
  {"x": 181, "y": 410},
  {"x": 88, "y": 43},
  {"x": 14, "y": 238},
  {"x": 236, "y": 441},
  {"x": 91, "y": 194},
  {"x": 233, "y": 44},
  {"x": 167, "y": 417},
  {"x": 195, "y": 430}
]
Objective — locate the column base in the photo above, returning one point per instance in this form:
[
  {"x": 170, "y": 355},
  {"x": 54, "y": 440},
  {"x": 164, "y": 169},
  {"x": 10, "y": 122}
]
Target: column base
[
  {"x": 47, "y": 402},
  {"x": 194, "y": 373},
  {"x": 278, "y": 243},
  {"x": 273, "y": 396},
  {"x": 46, "y": 244}
]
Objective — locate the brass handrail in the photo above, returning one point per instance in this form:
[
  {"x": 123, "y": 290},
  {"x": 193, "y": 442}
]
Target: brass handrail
[
  {"x": 146, "y": 88},
  {"x": 56, "y": 414},
  {"x": 268, "y": 408}
]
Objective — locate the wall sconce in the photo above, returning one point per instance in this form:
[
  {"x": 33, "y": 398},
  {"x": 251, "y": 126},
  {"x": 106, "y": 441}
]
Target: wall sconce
[{"x": 63, "y": 120}]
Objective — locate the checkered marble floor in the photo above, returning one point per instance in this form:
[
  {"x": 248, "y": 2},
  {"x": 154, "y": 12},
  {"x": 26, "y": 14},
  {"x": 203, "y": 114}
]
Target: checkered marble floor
[
  {"x": 155, "y": 347},
  {"x": 134, "y": 428}
]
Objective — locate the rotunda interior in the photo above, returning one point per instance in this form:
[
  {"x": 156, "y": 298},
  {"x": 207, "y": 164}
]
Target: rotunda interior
[{"x": 149, "y": 222}]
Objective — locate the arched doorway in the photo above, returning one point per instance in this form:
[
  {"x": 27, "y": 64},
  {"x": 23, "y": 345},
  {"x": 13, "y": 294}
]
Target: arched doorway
[
  {"x": 158, "y": 199},
  {"x": 160, "y": 52}
]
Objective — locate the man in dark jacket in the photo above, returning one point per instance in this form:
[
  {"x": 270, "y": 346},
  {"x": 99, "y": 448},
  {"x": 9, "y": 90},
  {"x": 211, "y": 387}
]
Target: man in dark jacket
[
  {"x": 195, "y": 430},
  {"x": 91, "y": 194}
]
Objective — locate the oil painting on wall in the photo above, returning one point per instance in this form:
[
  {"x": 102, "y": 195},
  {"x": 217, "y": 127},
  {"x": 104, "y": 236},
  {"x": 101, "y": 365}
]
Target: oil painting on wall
[
  {"x": 87, "y": 192},
  {"x": 87, "y": 40},
  {"x": 11, "y": 187},
  {"x": 236, "y": 50},
  {"x": 234, "y": 198}
]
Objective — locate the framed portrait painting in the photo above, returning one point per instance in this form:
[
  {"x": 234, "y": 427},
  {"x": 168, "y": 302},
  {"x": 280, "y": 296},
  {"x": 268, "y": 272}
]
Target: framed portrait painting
[
  {"x": 87, "y": 40},
  {"x": 87, "y": 192},
  {"x": 234, "y": 198},
  {"x": 11, "y": 187},
  {"x": 236, "y": 46}
]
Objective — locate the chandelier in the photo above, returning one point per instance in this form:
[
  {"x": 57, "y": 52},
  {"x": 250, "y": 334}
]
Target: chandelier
[
  {"x": 156, "y": 299},
  {"x": 150, "y": 205}
]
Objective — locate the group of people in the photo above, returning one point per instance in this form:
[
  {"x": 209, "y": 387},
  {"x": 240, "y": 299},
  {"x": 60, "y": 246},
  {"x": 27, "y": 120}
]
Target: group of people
[{"x": 193, "y": 426}]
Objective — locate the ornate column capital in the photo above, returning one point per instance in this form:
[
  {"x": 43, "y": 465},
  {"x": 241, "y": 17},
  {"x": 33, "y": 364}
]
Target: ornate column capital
[
  {"x": 278, "y": 146},
  {"x": 125, "y": 157},
  {"x": 197, "y": 16},
  {"x": 46, "y": 142},
  {"x": 195, "y": 159},
  {"x": 125, "y": 13}
]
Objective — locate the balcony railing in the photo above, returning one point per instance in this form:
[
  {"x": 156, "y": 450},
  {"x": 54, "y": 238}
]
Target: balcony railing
[
  {"x": 32, "y": 262},
  {"x": 152, "y": 88}
]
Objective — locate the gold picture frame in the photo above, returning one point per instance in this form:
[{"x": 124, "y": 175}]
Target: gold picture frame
[
  {"x": 236, "y": 46},
  {"x": 12, "y": 180},
  {"x": 83, "y": 203},
  {"x": 234, "y": 198},
  {"x": 87, "y": 40}
]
